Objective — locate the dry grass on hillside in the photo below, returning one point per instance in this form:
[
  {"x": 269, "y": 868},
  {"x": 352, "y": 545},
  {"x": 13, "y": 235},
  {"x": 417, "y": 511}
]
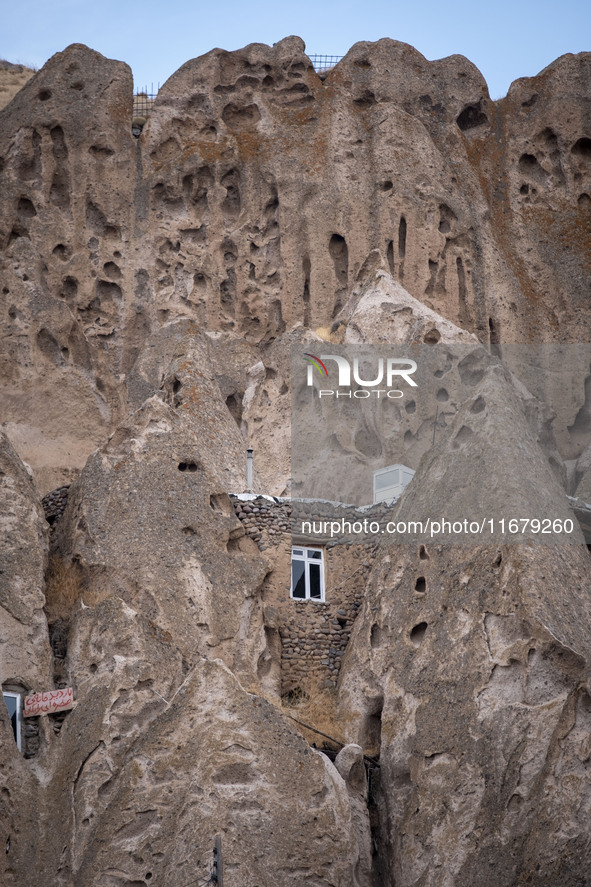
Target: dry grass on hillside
[
  {"x": 63, "y": 589},
  {"x": 319, "y": 710},
  {"x": 12, "y": 79}
]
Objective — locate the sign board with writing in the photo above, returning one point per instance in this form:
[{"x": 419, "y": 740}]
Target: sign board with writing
[{"x": 49, "y": 702}]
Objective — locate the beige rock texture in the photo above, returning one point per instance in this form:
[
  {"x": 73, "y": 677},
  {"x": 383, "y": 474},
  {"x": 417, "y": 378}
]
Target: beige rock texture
[
  {"x": 150, "y": 519},
  {"x": 468, "y": 667},
  {"x": 335, "y": 458},
  {"x": 387, "y": 313},
  {"x": 154, "y": 762},
  {"x": 166, "y": 749},
  {"x": 250, "y": 203},
  {"x": 60, "y": 204},
  {"x": 155, "y": 285},
  {"x": 491, "y": 441},
  {"x": 476, "y": 692},
  {"x": 25, "y": 657}
]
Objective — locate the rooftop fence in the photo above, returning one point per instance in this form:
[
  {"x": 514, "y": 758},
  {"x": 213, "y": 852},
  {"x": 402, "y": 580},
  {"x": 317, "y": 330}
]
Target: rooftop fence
[
  {"x": 323, "y": 63},
  {"x": 143, "y": 98}
]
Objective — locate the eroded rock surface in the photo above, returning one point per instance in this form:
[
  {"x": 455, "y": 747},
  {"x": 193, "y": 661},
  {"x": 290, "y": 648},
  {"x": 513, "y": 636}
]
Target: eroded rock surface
[
  {"x": 150, "y": 520},
  {"x": 25, "y": 658},
  {"x": 155, "y": 761},
  {"x": 468, "y": 668},
  {"x": 153, "y": 284},
  {"x": 250, "y": 203}
]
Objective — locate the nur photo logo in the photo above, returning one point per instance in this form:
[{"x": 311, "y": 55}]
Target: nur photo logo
[{"x": 389, "y": 370}]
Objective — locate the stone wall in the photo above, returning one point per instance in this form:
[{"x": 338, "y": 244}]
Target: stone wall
[
  {"x": 54, "y": 504},
  {"x": 265, "y": 519},
  {"x": 315, "y": 635},
  {"x": 312, "y": 635}
]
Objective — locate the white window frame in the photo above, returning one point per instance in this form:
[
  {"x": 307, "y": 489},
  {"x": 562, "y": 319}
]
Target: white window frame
[
  {"x": 300, "y": 553},
  {"x": 19, "y": 715},
  {"x": 403, "y": 475}
]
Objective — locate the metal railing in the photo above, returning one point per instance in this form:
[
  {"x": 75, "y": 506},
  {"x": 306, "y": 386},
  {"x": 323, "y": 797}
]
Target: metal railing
[
  {"x": 143, "y": 99},
  {"x": 323, "y": 63}
]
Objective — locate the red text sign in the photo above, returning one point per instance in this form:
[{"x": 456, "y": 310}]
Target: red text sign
[{"x": 49, "y": 702}]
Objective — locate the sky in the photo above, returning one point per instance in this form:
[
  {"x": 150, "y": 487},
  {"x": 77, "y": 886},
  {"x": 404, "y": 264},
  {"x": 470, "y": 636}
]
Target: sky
[{"x": 505, "y": 40}]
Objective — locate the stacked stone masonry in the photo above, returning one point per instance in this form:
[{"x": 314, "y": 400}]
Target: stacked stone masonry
[
  {"x": 54, "y": 504},
  {"x": 314, "y": 634}
]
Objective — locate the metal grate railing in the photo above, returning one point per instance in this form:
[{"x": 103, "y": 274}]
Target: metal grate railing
[
  {"x": 323, "y": 63},
  {"x": 143, "y": 99}
]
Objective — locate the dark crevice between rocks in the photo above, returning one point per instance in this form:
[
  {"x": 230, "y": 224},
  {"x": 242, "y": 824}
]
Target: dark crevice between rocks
[
  {"x": 339, "y": 254},
  {"x": 372, "y": 728},
  {"x": 493, "y": 332},
  {"x": 64, "y": 586},
  {"x": 370, "y": 739},
  {"x": 378, "y": 857},
  {"x": 234, "y": 404},
  {"x": 137, "y": 126},
  {"x": 390, "y": 257},
  {"x": 176, "y": 397},
  {"x": 306, "y": 266},
  {"x": 59, "y": 632}
]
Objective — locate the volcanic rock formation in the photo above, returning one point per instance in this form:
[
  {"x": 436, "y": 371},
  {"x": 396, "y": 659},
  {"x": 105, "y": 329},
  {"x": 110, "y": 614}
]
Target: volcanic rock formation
[
  {"x": 251, "y": 201},
  {"x": 155, "y": 284}
]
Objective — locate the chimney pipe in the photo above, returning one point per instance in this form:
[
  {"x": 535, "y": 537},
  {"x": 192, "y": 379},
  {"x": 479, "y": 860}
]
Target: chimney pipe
[{"x": 249, "y": 453}]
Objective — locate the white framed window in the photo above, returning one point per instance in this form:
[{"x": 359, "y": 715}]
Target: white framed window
[
  {"x": 14, "y": 705},
  {"x": 307, "y": 574}
]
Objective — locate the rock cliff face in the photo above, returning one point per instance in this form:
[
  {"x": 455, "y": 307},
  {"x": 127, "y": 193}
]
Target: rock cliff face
[
  {"x": 151, "y": 517},
  {"x": 251, "y": 201},
  {"x": 468, "y": 668},
  {"x": 153, "y": 288},
  {"x": 24, "y": 650}
]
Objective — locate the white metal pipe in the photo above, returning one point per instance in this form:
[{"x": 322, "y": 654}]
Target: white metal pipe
[{"x": 249, "y": 453}]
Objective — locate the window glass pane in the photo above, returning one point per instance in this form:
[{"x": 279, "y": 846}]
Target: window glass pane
[
  {"x": 298, "y": 579},
  {"x": 11, "y": 705},
  {"x": 385, "y": 480},
  {"x": 315, "y": 587},
  {"x": 314, "y": 555},
  {"x": 298, "y": 551}
]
